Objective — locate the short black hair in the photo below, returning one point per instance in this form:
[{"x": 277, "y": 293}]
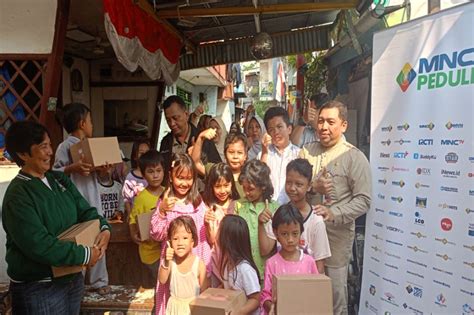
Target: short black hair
[
  {"x": 276, "y": 111},
  {"x": 135, "y": 147},
  {"x": 21, "y": 136},
  {"x": 258, "y": 173},
  {"x": 341, "y": 107},
  {"x": 302, "y": 167},
  {"x": 174, "y": 99},
  {"x": 73, "y": 114},
  {"x": 151, "y": 158},
  {"x": 234, "y": 137},
  {"x": 287, "y": 214}
]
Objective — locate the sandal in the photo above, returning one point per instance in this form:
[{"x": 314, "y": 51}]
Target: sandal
[{"x": 104, "y": 290}]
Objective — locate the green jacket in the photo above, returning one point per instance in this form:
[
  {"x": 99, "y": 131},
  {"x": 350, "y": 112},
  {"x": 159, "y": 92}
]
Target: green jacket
[{"x": 33, "y": 216}]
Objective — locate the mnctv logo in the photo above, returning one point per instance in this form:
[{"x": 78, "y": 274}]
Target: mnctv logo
[{"x": 454, "y": 142}]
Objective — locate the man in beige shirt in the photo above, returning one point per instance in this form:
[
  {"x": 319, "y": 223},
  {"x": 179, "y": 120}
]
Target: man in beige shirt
[{"x": 342, "y": 187}]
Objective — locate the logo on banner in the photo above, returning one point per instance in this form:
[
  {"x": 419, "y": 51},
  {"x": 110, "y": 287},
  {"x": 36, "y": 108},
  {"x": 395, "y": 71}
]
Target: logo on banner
[
  {"x": 382, "y": 181},
  {"x": 417, "y": 249},
  {"x": 449, "y": 125},
  {"x": 383, "y": 168},
  {"x": 452, "y": 142},
  {"x": 386, "y": 142},
  {"x": 418, "y": 156},
  {"x": 418, "y": 234},
  {"x": 381, "y": 196},
  {"x": 448, "y": 206},
  {"x": 399, "y": 183},
  {"x": 451, "y": 158},
  {"x": 405, "y": 127},
  {"x": 444, "y": 241},
  {"x": 400, "y": 169},
  {"x": 470, "y": 230},
  {"x": 387, "y": 128},
  {"x": 423, "y": 171},
  {"x": 450, "y": 174},
  {"x": 400, "y": 155},
  {"x": 471, "y": 159},
  {"x": 402, "y": 141},
  {"x": 439, "y": 71},
  {"x": 395, "y": 214},
  {"x": 440, "y": 300},
  {"x": 467, "y": 309},
  {"x": 421, "y": 202},
  {"x": 406, "y": 77},
  {"x": 379, "y": 210},
  {"x": 384, "y": 155},
  {"x": 415, "y": 290},
  {"x": 389, "y": 298},
  {"x": 449, "y": 189},
  {"x": 429, "y": 126},
  {"x": 421, "y": 185},
  {"x": 398, "y": 199},
  {"x": 372, "y": 290},
  {"x": 394, "y": 229},
  {"x": 425, "y": 142},
  {"x": 419, "y": 219},
  {"x": 446, "y": 224}
]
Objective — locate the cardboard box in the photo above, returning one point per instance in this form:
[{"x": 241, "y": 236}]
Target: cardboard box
[
  {"x": 218, "y": 302},
  {"x": 97, "y": 151},
  {"x": 143, "y": 222},
  {"x": 302, "y": 294},
  {"x": 83, "y": 233}
]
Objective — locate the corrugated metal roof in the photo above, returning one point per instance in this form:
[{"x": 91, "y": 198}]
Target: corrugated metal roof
[{"x": 289, "y": 43}]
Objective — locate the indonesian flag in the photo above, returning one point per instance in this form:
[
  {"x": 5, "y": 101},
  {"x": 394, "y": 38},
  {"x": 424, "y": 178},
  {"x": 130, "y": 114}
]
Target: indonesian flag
[
  {"x": 139, "y": 40},
  {"x": 280, "y": 84}
]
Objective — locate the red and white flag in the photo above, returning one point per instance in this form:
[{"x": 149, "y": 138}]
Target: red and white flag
[
  {"x": 280, "y": 84},
  {"x": 139, "y": 40}
]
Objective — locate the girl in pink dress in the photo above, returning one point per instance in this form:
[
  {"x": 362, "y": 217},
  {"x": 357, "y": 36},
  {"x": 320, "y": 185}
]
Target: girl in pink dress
[
  {"x": 287, "y": 224},
  {"x": 219, "y": 196},
  {"x": 181, "y": 198}
]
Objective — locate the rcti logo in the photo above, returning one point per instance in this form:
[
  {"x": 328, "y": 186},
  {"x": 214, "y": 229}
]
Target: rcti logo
[
  {"x": 425, "y": 142},
  {"x": 446, "y": 224},
  {"x": 400, "y": 155},
  {"x": 451, "y": 158},
  {"x": 406, "y": 77}
]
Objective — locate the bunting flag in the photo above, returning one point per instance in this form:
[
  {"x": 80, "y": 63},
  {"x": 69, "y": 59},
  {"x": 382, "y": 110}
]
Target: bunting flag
[
  {"x": 280, "y": 84},
  {"x": 140, "y": 40}
]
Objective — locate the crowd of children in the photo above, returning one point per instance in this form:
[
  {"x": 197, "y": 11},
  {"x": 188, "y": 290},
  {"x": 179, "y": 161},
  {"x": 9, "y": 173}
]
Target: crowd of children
[{"x": 250, "y": 221}]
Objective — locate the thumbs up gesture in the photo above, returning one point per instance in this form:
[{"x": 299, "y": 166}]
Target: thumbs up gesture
[
  {"x": 209, "y": 134},
  {"x": 265, "y": 215},
  {"x": 266, "y": 141},
  {"x": 209, "y": 216},
  {"x": 168, "y": 202},
  {"x": 323, "y": 182},
  {"x": 169, "y": 252}
]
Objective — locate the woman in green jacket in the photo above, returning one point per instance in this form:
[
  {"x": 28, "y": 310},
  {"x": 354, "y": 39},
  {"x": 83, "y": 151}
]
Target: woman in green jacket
[{"x": 39, "y": 205}]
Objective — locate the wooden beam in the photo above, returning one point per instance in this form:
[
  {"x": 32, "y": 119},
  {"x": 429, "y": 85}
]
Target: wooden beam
[
  {"x": 146, "y": 6},
  {"x": 250, "y": 10},
  {"x": 52, "y": 81}
]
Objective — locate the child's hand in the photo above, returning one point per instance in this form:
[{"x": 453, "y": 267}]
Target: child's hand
[
  {"x": 209, "y": 216},
  {"x": 167, "y": 204},
  {"x": 81, "y": 167},
  {"x": 266, "y": 141},
  {"x": 325, "y": 212},
  {"x": 323, "y": 183},
  {"x": 265, "y": 215},
  {"x": 208, "y": 134},
  {"x": 169, "y": 252},
  {"x": 309, "y": 113},
  {"x": 136, "y": 238}
]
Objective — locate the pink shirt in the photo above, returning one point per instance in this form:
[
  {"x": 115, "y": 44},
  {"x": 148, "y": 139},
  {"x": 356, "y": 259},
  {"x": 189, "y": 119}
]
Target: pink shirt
[
  {"x": 159, "y": 232},
  {"x": 277, "y": 265}
]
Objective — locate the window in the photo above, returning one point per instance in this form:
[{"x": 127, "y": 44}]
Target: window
[{"x": 186, "y": 96}]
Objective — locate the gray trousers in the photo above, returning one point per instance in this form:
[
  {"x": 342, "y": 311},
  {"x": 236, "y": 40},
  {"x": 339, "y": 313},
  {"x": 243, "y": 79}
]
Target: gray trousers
[{"x": 339, "y": 289}]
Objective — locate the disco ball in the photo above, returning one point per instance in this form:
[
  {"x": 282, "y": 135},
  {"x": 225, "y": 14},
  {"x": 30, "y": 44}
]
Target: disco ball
[{"x": 261, "y": 46}]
